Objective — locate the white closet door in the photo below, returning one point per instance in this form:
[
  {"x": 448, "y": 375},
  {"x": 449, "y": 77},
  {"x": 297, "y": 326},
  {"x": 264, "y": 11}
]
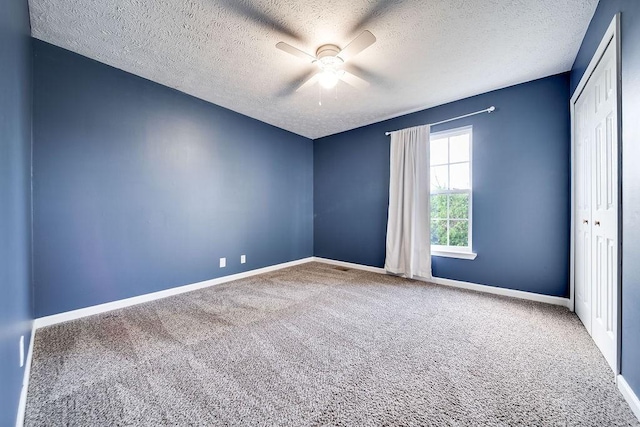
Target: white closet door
[
  {"x": 583, "y": 220},
  {"x": 596, "y": 205},
  {"x": 604, "y": 196}
]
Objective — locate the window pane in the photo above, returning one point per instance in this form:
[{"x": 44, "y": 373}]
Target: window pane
[
  {"x": 439, "y": 232},
  {"x": 439, "y": 179},
  {"x": 460, "y": 176},
  {"x": 439, "y": 151},
  {"x": 459, "y": 233},
  {"x": 460, "y": 148},
  {"x": 459, "y": 206},
  {"x": 439, "y": 206}
]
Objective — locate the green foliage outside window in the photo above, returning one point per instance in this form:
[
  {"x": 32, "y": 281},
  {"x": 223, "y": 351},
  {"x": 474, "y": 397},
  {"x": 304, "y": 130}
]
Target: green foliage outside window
[{"x": 450, "y": 219}]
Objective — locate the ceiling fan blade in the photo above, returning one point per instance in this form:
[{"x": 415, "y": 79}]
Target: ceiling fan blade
[
  {"x": 360, "y": 43},
  {"x": 377, "y": 11},
  {"x": 370, "y": 76},
  {"x": 295, "y": 52},
  {"x": 289, "y": 88},
  {"x": 310, "y": 82},
  {"x": 353, "y": 80},
  {"x": 253, "y": 13}
]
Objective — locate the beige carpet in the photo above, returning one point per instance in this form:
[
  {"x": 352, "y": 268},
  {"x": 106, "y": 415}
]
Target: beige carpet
[{"x": 314, "y": 345}]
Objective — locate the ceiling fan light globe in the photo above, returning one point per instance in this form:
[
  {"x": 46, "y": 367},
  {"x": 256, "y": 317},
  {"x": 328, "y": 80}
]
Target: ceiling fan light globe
[{"x": 328, "y": 79}]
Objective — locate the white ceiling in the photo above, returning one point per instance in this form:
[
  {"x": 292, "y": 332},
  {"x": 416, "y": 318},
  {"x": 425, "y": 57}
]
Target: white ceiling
[{"x": 223, "y": 51}]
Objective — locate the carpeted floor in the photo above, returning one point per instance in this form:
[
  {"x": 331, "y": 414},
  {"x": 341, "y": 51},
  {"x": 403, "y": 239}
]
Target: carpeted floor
[{"x": 314, "y": 345}]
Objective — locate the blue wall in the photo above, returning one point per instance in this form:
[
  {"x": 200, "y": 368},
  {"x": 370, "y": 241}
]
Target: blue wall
[
  {"x": 140, "y": 188},
  {"x": 520, "y": 196},
  {"x": 16, "y": 312},
  {"x": 630, "y": 37}
]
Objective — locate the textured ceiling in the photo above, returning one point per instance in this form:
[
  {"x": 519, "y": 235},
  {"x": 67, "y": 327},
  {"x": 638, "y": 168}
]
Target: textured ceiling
[{"x": 223, "y": 51}]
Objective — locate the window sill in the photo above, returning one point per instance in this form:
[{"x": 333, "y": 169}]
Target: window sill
[{"x": 453, "y": 254}]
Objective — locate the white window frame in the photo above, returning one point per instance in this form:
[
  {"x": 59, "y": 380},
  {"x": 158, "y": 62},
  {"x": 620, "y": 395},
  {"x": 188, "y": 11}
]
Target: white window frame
[{"x": 463, "y": 252}]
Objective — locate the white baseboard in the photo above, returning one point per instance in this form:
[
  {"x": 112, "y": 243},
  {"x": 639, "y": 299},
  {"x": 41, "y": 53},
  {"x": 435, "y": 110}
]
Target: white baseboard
[
  {"x": 114, "y": 305},
  {"x": 629, "y": 395},
  {"x": 350, "y": 265},
  {"x": 22, "y": 406},
  {"x": 564, "y": 302}
]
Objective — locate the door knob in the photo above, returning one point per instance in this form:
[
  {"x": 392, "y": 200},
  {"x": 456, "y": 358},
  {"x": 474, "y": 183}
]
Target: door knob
[
  {"x": 597, "y": 223},
  {"x": 584, "y": 221}
]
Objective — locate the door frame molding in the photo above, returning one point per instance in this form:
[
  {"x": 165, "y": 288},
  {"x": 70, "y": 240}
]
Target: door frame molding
[{"x": 612, "y": 35}]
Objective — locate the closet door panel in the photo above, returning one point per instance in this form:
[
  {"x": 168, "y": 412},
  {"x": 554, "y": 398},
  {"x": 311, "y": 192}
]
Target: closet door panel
[
  {"x": 604, "y": 193},
  {"x": 583, "y": 186}
]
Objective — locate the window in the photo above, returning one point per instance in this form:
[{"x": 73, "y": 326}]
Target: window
[{"x": 451, "y": 192}]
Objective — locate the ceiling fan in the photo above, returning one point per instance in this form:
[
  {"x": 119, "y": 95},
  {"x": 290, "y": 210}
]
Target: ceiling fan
[{"x": 330, "y": 60}]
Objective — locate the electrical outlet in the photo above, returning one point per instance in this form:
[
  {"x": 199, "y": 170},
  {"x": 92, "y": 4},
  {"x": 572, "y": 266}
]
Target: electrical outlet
[
  {"x": 223, "y": 262},
  {"x": 21, "y": 351},
  {"x": 243, "y": 259}
]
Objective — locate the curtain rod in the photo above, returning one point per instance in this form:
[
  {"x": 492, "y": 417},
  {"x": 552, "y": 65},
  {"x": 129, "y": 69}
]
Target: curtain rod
[{"x": 486, "y": 110}]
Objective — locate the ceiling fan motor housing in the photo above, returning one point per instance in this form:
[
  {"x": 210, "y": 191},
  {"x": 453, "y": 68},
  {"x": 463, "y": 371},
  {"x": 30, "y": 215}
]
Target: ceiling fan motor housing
[{"x": 328, "y": 56}]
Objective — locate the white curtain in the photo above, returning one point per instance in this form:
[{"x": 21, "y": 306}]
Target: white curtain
[{"x": 408, "y": 234}]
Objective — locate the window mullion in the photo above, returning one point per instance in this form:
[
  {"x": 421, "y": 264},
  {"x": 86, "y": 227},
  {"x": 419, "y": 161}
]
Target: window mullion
[
  {"x": 449, "y": 188},
  {"x": 448, "y": 219}
]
